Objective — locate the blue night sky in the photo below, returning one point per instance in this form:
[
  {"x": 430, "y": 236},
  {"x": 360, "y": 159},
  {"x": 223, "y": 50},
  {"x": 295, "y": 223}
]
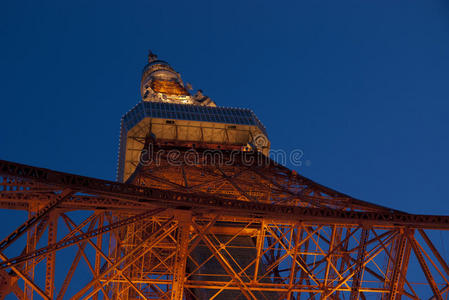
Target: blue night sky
[{"x": 360, "y": 86}]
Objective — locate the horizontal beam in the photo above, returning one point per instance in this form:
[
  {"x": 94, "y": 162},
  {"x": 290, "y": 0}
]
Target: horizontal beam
[
  {"x": 202, "y": 202},
  {"x": 264, "y": 287},
  {"x": 21, "y": 200}
]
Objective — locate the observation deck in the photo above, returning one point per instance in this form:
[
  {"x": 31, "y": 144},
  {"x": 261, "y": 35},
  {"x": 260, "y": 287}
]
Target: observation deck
[{"x": 189, "y": 126}]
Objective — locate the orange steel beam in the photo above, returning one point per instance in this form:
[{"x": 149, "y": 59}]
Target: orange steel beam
[
  {"x": 285, "y": 243},
  {"x": 51, "y": 256},
  {"x": 155, "y": 237},
  {"x": 205, "y": 203},
  {"x": 184, "y": 223},
  {"x": 69, "y": 225},
  {"x": 27, "y": 280},
  {"x": 302, "y": 237},
  {"x": 97, "y": 253},
  {"x": 75, "y": 262},
  {"x": 355, "y": 267},
  {"x": 432, "y": 247},
  {"x": 226, "y": 265},
  {"x": 34, "y": 219},
  {"x": 75, "y": 239},
  {"x": 360, "y": 257},
  {"x": 424, "y": 267},
  {"x": 399, "y": 260}
]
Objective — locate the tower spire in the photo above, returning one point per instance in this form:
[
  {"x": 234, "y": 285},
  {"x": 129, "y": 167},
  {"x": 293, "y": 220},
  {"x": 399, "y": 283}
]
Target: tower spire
[
  {"x": 161, "y": 83},
  {"x": 151, "y": 56}
]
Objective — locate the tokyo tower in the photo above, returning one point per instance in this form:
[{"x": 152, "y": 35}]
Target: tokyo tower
[{"x": 200, "y": 211}]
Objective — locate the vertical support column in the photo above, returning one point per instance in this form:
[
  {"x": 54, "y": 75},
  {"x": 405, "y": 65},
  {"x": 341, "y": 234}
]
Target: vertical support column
[
  {"x": 335, "y": 258},
  {"x": 131, "y": 235},
  {"x": 344, "y": 259},
  {"x": 184, "y": 223},
  {"x": 293, "y": 268},
  {"x": 303, "y": 276},
  {"x": 400, "y": 267},
  {"x": 50, "y": 268},
  {"x": 329, "y": 259},
  {"x": 112, "y": 251},
  {"x": 97, "y": 254},
  {"x": 31, "y": 245},
  {"x": 259, "y": 248},
  {"x": 358, "y": 277},
  {"x": 404, "y": 267},
  {"x": 390, "y": 266}
]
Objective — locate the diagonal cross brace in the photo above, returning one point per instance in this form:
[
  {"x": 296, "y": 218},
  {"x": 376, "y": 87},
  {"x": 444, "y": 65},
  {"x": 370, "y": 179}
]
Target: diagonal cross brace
[
  {"x": 34, "y": 219},
  {"x": 64, "y": 243}
]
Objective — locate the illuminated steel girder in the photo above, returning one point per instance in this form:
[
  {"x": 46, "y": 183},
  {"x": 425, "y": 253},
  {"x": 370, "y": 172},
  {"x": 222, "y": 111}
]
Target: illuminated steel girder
[{"x": 200, "y": 228}]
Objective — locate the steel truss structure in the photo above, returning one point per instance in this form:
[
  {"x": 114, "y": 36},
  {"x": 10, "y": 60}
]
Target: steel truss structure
[{"x": 201, "y": 224}]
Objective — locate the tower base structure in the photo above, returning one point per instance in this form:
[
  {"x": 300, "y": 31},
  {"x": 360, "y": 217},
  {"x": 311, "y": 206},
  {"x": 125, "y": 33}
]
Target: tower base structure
[{"x": 211, "y": 230}]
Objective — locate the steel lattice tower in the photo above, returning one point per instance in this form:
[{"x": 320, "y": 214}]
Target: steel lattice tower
[{"x": 200, "y": 211}]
